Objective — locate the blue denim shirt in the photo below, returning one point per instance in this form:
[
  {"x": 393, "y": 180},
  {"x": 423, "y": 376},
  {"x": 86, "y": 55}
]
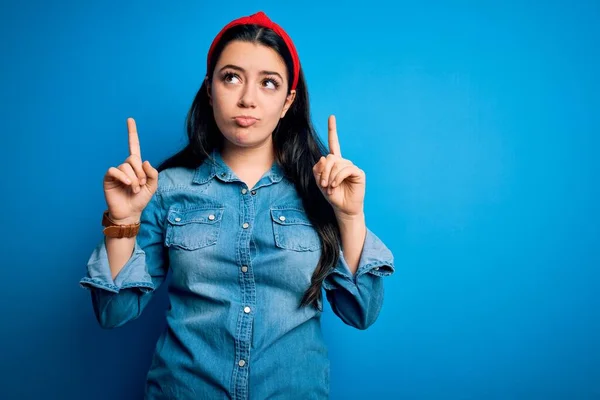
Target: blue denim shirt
[{"x": 240, "y": 260}]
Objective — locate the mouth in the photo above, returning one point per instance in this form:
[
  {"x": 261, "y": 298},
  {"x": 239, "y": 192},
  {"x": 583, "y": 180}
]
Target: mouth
[{"x": 245, "y": 121}]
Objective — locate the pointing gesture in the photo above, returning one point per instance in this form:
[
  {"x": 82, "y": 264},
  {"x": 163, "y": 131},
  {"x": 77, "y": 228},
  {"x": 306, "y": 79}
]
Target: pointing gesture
[
  {"x": 341, "y": 182},
  {"x": 129, "y": 187},
  {"x": 135, "y": 153},
  {"x": 134, "y": 140},
  {"x": 334, "y": 143}
]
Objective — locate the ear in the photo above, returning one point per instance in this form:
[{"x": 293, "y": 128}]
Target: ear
[
  {"x": 208, "y": 90},
  {"x": 288, "y": 102}
]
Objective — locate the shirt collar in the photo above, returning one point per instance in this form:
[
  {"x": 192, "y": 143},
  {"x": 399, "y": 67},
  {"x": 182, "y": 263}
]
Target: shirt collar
[{"x": 214, "y": 166}]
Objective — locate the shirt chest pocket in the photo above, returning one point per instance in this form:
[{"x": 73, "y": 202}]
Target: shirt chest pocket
[
  {"x": 193, "y": 229},
  {"x": 293, "y": 230}
]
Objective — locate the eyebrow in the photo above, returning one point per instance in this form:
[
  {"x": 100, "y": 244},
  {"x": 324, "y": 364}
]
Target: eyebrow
[{"x": 231, "y": 66}]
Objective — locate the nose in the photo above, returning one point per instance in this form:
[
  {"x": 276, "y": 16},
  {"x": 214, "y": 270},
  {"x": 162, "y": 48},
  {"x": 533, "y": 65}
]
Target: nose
[{"x": 248, "y": 96}]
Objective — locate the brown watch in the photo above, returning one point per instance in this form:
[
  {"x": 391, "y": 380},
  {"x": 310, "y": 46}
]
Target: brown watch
[{"x": 118, "y": 231}]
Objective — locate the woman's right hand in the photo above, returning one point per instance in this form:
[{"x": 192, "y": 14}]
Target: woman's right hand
[{"x": 129, "y": 187}]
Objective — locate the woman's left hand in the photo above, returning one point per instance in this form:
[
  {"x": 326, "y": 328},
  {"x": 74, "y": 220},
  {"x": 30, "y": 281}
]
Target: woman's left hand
[{"x": 341, "y": 182}]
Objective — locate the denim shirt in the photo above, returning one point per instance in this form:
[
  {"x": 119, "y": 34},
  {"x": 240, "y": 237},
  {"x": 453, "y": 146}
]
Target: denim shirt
[{"x": 240, "y": 260}]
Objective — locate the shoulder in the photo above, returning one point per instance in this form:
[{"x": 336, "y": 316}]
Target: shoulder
[{"x": 175, "y": 177}]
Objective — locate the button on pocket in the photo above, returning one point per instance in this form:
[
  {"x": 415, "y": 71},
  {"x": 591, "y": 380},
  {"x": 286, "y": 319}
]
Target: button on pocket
[
  {"x": 293, "y": 230},
  {"x": 193, "y": 229}
]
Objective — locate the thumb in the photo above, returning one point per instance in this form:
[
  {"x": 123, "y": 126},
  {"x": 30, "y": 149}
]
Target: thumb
[{"x": 151, "y": 174}]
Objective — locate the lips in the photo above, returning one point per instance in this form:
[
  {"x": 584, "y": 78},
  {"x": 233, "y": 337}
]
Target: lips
[{"x": 245, "y": 121}]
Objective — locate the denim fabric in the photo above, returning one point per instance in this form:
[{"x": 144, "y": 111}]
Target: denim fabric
[{"x": 240, "y": 260}]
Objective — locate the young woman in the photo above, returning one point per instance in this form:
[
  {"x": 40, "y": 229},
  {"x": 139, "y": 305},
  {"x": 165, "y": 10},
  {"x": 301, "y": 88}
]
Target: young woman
[{"x": 252, "y": 218}]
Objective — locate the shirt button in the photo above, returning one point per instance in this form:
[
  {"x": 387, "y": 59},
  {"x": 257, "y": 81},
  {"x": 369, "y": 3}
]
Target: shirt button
[
  {"x": 211, "y": 217},
  {"x": 282, "y": 218},
  {"x": 223, "y": 174},
  {"x": 177, "y": 219},
  {"x": 253, "y": 192},
  {"x": 246, "y": 310},
  {"x": 246, "y": 225},
  {"x": 242, "y": 363},
  {"x": 376, "y": 268},
  {"x": 244, "y": 191},
  {"x": 244, "y": 268}
]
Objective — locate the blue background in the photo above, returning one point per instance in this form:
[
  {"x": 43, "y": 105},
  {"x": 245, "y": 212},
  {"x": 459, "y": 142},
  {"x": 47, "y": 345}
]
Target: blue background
[{"x": 477, "y": 125}]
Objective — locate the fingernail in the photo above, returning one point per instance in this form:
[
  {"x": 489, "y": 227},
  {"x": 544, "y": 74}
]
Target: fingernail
[{"x": 323, "y": 182}]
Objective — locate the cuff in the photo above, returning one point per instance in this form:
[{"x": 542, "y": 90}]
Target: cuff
[
  {"x": 375, "y": 259},
  {"x": 132, "y": 275}
]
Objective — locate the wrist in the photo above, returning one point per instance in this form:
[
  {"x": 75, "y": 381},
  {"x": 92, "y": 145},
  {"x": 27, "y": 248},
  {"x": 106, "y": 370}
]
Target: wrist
[
  {"x": 350, "y": 219},
  {"x": 120, "y": 228},
  {"x": 349, "y": 225},
  {"x": 124, "y": 221}
]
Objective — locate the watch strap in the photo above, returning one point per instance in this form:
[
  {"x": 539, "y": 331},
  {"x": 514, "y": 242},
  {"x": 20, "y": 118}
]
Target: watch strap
[{"x": 112, "y": 229}]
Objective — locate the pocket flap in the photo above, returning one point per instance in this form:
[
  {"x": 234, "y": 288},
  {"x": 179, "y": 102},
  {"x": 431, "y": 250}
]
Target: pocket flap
[
  {"x": 201, "y": 215},
  {"x": 289, "y": 216}
]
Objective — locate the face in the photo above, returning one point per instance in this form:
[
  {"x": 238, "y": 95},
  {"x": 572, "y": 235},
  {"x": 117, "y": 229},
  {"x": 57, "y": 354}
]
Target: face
[{"x": 248, "y": 93}]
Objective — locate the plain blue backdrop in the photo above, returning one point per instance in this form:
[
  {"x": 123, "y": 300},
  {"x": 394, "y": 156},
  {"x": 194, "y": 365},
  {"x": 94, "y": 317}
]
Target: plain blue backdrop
[{"x": 477, "y": 125}]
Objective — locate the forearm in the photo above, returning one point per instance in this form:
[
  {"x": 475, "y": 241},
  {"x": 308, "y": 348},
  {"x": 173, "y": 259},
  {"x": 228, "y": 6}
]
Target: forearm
[
  {"x": 119, "y": 251},
  {"x": 353, "y": 231}
]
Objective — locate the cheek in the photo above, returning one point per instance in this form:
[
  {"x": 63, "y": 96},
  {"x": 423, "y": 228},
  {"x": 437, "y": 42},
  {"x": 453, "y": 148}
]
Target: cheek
[
  {"x": 274, "y": 107},
  {"x": 222, "y": 106},
  {"x": 272, "y": 113}
]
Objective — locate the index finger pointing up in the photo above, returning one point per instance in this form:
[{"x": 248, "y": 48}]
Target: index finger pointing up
[
  {"x": 134, "y": 141},
  {"x": 334, "y": 143}
]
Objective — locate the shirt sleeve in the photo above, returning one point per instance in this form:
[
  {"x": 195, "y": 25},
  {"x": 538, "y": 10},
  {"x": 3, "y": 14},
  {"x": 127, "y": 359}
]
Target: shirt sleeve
[
  {"x": 118, "y": 301},
  {"x": 357, "y": 298}
]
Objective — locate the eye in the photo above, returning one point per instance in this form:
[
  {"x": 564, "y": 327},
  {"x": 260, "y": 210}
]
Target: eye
[
  {"x": 230, "y": 77},
  {"x": 274, "y": 84}
]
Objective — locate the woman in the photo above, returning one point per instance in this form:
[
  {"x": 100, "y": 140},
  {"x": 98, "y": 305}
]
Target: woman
[{"x": 252, "y": 219}]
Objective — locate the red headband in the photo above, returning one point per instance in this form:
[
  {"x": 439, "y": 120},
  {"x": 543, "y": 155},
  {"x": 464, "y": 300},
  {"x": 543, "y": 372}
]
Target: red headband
[{"x": 261, "y": 19}]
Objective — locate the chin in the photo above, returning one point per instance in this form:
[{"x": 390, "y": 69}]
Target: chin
[
  {"x": 241, "y": 138},
  {"x": 245, "y": 139}
]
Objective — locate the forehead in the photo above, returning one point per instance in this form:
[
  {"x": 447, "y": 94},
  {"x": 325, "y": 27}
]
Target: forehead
[{"x": 251, "y": 57}]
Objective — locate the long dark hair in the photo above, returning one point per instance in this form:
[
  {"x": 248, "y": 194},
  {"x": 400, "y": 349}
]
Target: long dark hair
[{"x": 296, "y": 145}]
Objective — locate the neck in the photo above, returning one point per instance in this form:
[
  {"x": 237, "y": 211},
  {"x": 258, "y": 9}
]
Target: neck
[{"x": 249, "y": 159}]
